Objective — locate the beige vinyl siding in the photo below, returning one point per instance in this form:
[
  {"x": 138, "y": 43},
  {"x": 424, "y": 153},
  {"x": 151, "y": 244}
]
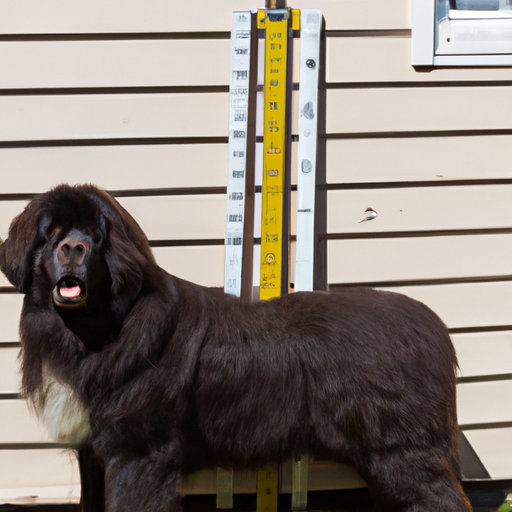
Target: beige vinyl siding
[
  {"x": 385, "y": 59},
  {"x": 10, "y": 379},
  {"x": 481, "y": 402},
  {"x": 116, "y": 167},
  {"x": 134, "y": 16},
  {"x": 34, "y": 476},
  {"x": 106, "y": 116},
  {"x": 433, "y": 109},
  {"x": 154, "y": 63},
  {"x": 466, "y": 305},
  {"x": 490, "y": 445},
  {"x": 408, "y": 259},
  {"x": 179, "y": 217},
  {"x": 10, "y": 308},
  {"x": 487, "y": 353},
  {"x": 134, "y": 97},
  {"x": 26, "y": 428},
  {"x": 420, "y": 209},
  {"x": 414, "y": 159}
]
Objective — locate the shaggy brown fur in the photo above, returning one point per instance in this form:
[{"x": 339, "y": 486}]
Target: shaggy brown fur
[{"x": 176, "y": 377}]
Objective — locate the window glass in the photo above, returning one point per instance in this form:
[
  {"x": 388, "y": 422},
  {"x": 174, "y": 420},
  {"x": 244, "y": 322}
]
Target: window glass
[{"x": 481, "y": 5}]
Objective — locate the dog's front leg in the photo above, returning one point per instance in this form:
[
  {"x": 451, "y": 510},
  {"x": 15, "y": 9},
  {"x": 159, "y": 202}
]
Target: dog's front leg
[
  {"x": 92, "y": 478},
  {"x": 149, "y": 483}
]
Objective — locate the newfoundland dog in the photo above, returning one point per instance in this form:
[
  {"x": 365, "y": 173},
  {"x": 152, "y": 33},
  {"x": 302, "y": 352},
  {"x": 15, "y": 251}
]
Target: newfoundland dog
[{"x": 162, "y": 377}]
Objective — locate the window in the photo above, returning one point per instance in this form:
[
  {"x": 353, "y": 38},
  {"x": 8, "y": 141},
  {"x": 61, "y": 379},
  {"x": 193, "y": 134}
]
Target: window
[{"x": 462, "y": 32}]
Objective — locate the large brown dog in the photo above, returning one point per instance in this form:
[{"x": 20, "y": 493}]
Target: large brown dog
[{"x": 174, "y": 377}]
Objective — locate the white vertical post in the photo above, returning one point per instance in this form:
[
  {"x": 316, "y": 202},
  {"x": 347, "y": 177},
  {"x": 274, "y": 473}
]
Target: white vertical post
[
  {"x": 311, "y": 22},
  {"x": 310, "y": 30}
]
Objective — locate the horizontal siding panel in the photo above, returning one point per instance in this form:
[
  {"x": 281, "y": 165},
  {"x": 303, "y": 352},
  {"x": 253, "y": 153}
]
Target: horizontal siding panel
[
  {"x": 388, "y": 59},
  {"x": 96, "y": 16},
  {"x": 23, "y": 470},
  {"x": 418, "y": 109},
  {"x": 357, "y": 15},
  {"x": 487, "y": 353},
  {"x": 9, "y": 210},
  {"x": 19, "y": 425},
  {"x": 410, "y": 209},
  {"x": 494, "y": 447},
  {"x": 179, "y": 217},
  {"x": 113, "y": 116},
  {"x": 399, "y": 259},
  {"x": 10, "y": 379},
  {"x": 201, "y": 265},
  {"x": 48, "y": 64},
  {"x": 53, "y": 494},
  {"x": 35, "y": 170},
  {"x": 484, "y": 402},
  {"x": 4, "y": 281},
  {"x": 418, "y": 159},
  {"x": 466, "y": 305},
  {"x": 10, "y": 309}
]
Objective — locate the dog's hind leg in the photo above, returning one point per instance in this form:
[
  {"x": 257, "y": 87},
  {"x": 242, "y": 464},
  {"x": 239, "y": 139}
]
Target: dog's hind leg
[
  {"x": 414, "y": 480},
  {"x": 148, "y": 483}
]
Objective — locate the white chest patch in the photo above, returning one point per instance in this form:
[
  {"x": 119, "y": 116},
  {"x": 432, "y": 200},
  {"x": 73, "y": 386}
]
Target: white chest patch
[{"x": 62, "y": 412}]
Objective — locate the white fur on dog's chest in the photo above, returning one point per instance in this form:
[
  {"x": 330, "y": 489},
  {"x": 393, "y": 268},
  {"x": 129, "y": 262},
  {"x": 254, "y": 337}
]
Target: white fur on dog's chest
[{"x": 62, "y": 412}]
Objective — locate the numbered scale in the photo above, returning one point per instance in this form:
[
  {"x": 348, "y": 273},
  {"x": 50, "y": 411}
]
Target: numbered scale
[{"x": 260, "y": 120}]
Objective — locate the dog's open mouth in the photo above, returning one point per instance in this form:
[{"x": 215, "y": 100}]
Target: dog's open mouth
[{"x": 70, "y": 292}]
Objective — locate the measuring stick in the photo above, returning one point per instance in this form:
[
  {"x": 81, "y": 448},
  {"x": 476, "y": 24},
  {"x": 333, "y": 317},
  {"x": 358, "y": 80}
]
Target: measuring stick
[
  {"x": 274, "y": 236},
  {"x": 278, "y": 27},
  {"x": 240, "y": 144},
  {"x": 310, "y": 29}
]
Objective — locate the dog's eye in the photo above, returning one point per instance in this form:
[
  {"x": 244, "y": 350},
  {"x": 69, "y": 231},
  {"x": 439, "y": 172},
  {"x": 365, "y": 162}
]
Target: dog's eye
[
  {"x": 98, "y": 238},
  {"x": 53, "y": 235}
]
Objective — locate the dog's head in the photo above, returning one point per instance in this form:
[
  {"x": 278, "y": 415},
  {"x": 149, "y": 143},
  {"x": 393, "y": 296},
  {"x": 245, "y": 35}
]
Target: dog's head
[
  {"x": 72, "y": 242},
  {"x": 73, "y": 258}
]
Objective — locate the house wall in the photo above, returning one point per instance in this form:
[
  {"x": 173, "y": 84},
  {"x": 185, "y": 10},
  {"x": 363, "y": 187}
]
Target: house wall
[{"x": 133, "y": 96}]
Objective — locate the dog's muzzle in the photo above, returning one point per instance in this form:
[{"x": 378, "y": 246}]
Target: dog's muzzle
[{"x": 70, "y": 293}]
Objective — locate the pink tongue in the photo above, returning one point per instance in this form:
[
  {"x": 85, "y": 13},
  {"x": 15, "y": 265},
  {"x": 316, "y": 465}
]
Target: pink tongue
[{"x": 70, "y": 293}]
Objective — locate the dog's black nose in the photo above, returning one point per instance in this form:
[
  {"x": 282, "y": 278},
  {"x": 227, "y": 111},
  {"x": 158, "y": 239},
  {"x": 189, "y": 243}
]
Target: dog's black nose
[{"x": 72, "y": 251}]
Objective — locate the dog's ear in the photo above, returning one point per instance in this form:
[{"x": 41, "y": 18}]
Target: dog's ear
[
  {"x": 17, "y": 252},
  {"x": 127, "y": 251}
]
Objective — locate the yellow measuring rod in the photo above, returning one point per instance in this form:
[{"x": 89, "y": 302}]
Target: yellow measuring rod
[{"x": 278, "y": 26}]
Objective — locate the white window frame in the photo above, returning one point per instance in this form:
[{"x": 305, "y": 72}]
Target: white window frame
[{"x": 460, "y": 38}]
